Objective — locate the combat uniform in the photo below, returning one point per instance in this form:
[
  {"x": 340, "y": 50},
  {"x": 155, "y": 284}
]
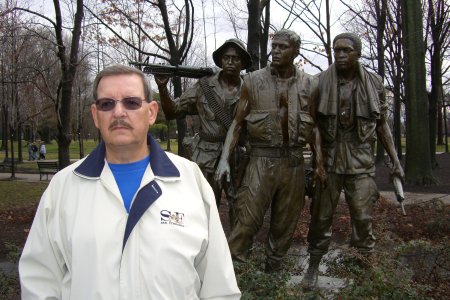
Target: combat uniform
[
  {"x": 206, "y": 152},
  {"x": 275, "y": 173},
  {"x": 347, "y": 114}
]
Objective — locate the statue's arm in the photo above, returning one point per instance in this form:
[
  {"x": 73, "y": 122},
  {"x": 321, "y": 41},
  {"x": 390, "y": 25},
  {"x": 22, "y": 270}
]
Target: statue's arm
[
  {"x": 316, "y": 144},
  {"x": 242, "y": 110},
  {"x": 385, "y": 136}
]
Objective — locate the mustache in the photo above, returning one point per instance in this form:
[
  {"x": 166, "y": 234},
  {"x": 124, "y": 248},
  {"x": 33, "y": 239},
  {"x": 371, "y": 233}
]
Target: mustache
[{"x": 120, "y": 122}]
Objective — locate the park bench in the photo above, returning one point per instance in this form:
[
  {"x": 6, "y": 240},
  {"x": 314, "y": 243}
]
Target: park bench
[
  {"x": 7, "y": 163},
  {"x": 47, "y": 167}
]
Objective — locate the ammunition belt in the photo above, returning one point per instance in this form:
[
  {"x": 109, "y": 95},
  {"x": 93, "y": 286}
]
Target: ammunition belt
[{"x": 212, "y": 138}]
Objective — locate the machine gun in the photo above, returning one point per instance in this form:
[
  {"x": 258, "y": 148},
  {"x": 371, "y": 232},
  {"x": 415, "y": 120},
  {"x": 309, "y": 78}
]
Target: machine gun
[{"x": 180, "y": 71}]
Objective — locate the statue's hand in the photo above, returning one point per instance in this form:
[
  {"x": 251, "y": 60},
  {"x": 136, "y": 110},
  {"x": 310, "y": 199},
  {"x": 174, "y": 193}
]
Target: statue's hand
[
  {"x": 223, "y": 169},
  {"x": 161, "y": 80},
  {"x": 320, "y": 175},
  {"x": 397, "y": 171}
]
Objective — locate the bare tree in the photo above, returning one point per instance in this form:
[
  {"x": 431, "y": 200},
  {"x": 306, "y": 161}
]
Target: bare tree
[
  {"x": 317, "y": 19},
  {"x": 257, "y": 37},
  {"x": 438, "y": 28},
  {"x": 19, "y": 53},
  {"x": 169, "y": 29},
  {"x": 68, "y": 61},
  {"x": 256, "y": 22},
  {"x": 394, "y": 78}
]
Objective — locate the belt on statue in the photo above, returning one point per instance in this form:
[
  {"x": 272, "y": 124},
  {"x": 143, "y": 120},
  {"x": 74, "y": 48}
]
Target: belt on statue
[{"x": 275, "y": 151}]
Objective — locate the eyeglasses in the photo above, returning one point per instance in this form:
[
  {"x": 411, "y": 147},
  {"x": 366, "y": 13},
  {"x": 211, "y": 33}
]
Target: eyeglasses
[{"x": 129, "y": 103}]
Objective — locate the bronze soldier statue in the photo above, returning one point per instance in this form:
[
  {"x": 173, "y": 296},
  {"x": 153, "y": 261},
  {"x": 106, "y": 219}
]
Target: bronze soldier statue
[
  {"x": 274, "y": 109},
  {"x": 214, "y": 100},
  {"x": 351, "y": 111}
]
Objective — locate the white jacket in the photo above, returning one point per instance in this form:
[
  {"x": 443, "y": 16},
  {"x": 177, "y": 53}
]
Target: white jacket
[{"x": 84, "y": 245}]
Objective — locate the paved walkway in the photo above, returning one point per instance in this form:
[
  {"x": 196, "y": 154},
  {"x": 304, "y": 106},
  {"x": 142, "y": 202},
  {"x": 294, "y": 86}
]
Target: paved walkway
[
  {"x": 417, "y": 198},
  {"x": 31, "y": 177}
]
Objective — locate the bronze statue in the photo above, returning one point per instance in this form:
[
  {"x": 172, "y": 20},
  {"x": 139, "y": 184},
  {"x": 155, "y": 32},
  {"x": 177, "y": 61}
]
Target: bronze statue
[
  {"x": 213, "y": 99},
  {"x": 351, "y": 111},
  {"x": 274, "y": 110}
]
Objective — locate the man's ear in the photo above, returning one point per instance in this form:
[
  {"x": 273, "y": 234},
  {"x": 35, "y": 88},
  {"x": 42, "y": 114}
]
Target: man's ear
[
  {"x": 153, "y": 112},
  {"x": 94, "y": 114}
]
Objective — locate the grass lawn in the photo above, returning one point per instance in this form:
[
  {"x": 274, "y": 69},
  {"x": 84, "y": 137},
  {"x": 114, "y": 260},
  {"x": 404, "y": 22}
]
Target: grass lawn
[{"x": 18, "y": 194}]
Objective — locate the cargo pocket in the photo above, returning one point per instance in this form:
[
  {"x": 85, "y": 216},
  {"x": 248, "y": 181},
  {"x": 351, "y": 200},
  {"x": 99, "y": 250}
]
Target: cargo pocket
[
  {"x": 206, "y": 155},
  {"x": 258, "y": 127},
  {"x": 363, "y": 156},
  {"x": 366, "y": 129}
]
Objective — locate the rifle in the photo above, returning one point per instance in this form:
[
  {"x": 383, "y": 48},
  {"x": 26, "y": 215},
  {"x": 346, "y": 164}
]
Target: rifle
[{"x": 180, "y": 71}]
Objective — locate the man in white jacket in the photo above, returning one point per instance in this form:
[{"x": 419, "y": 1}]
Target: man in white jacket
[{"x": 129, "y": 221}]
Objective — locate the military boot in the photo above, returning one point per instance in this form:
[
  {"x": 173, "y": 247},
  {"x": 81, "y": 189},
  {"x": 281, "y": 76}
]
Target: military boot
[
  {"x": 272, "y": 265},
  {"x": 312, "y": 274}
]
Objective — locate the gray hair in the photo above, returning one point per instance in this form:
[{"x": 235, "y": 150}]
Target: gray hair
[
  {"x": 352, "y": 37},
  {"x": 293, "y": 37},
  {"x": 123, "y": 70}
]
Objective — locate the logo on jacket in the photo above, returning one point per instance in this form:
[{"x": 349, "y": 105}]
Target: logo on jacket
[{"x": 173, "y": 218}]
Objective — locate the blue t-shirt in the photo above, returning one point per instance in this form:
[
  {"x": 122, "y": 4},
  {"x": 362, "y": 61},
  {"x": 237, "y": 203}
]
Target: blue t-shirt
[{"x": 128, "y": 178}]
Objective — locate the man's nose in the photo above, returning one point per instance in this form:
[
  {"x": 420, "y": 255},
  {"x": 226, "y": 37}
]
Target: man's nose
[
  {"x": 119, "y": 109},
  {"x": 341, "y": 53}
]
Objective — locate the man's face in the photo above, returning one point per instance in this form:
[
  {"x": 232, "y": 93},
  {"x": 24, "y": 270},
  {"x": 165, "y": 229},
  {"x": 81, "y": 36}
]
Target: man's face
[
  {"x": 345, "y": 55},
  {"x": 283, "y": 52},
  {"x": 231, "y": 62},
  {"x": 122, "y": 127}
]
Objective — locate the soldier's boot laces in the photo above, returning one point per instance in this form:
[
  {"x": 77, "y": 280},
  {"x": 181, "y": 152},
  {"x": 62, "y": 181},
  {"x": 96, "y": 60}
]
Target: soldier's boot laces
[{"x": 311, "y": 277}]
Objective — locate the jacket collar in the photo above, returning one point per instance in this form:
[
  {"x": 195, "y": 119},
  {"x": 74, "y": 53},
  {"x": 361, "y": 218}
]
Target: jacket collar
[{"x": 160, "y": 163}]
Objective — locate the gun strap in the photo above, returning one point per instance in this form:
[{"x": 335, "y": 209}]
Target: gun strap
[{"x": 222, "y": 115}]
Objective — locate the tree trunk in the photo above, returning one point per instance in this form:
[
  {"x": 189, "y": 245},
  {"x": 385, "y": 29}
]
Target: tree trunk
[
  {"x": 397, "y": 122},
  {"x": 265, "y": 37},
  {"x": 328, "y": 32},
  {"x": 435, "y": 100},
  {"x": 68, "y": 71},
  {"x": 181, "y": 122},
  {"x": 380, "y": 10},
  {"x": 418, "y": 163},
  {"x": 254, "y": 33}
]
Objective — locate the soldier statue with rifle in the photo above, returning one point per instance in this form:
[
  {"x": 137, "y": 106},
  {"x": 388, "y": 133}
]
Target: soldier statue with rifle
[
  {"x": 351, "y": 109},
  {"x": 213, "y": 98}
]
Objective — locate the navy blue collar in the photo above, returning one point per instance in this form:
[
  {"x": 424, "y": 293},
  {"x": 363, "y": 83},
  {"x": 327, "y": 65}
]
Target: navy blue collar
[{"x": 160, "y": 163}]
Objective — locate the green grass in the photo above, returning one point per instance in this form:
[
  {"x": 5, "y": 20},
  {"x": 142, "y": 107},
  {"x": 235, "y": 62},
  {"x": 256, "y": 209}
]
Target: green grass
[{"x": 17, "y": 194}]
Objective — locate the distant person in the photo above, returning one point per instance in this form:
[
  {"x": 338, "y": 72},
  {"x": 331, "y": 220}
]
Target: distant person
[
  {"x": 214, "y": 99},
  {"x": 129, "y": 221},
  {"x": 30, "y": 151},
  {"x": 34, "y": 149},
  {"x": 42, "y": 151}
]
